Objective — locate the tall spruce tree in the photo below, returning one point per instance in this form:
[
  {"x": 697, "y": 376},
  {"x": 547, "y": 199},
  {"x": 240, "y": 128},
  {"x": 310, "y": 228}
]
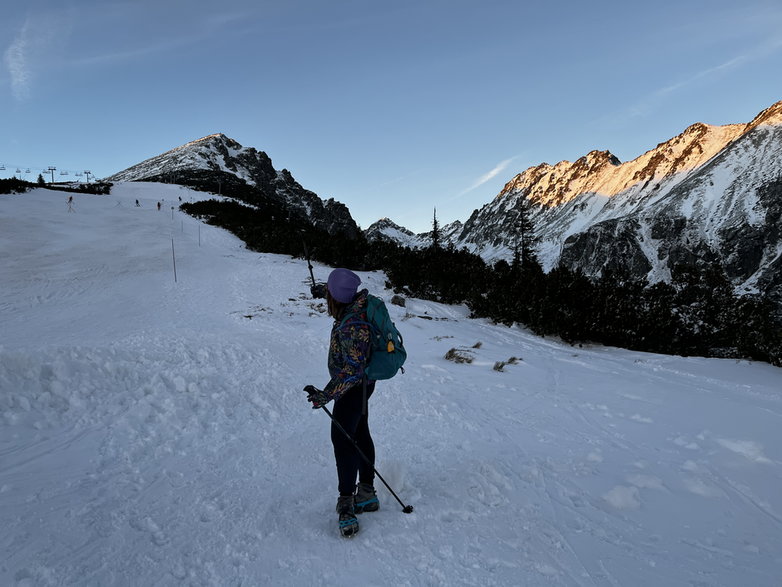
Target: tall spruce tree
[
  {"x": 526, "y": 240},
  {"x": 435, "y": 232}
]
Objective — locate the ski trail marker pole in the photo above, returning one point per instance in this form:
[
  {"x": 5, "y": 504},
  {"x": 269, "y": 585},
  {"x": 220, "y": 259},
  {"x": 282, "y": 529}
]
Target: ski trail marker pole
[{"x": 173, "y": 256}]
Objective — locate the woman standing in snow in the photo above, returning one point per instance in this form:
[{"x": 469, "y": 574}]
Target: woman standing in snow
[{"x": 348, "y": 352}]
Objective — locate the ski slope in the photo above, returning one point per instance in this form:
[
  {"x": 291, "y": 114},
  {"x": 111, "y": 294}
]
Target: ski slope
[{"x": 154, "y": 432}]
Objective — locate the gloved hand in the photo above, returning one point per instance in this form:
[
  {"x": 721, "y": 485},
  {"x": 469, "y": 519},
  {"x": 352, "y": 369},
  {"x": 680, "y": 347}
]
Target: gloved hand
[
  {"x": 316, "y": 396},
  {"x": 318, "y": 290}
]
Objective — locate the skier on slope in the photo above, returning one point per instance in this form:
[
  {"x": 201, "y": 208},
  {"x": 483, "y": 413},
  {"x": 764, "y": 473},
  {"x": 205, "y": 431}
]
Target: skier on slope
[{"x": 348, "y": 352}]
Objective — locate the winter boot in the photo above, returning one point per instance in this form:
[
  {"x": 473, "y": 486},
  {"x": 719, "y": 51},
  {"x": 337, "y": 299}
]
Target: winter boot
[
  {"x": 366, "y": 499},
  {"x": 348, "y": 524}
]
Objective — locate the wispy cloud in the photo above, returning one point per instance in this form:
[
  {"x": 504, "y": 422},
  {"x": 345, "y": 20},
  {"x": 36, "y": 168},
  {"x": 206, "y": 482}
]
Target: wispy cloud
[
  {"x": 401, "y": 178},
  {"x": 36, "y": 42},
  {"x": 708, "y": 72},
  {"x": 489, "y": 175},
  {"x": 643, "y": 107},
  {"x": 16, "y": 60},
  {"x": 105, "y": 58},
  {"x": 169, "y": 31}
]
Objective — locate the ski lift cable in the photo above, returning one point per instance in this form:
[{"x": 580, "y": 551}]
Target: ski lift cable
[{"x": 44, "y": 169}]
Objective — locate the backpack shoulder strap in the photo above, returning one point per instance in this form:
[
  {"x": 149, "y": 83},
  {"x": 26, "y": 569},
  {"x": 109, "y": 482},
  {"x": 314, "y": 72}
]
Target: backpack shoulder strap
[
  {"x": 373, "y": 304},
  {"x": 343, "y": 323}
]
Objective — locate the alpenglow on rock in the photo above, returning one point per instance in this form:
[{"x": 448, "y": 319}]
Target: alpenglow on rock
[
  {"x": 218, "y": 163},
  {"x": 712, "y": 194},
  {"x": 726, "y": 210}
]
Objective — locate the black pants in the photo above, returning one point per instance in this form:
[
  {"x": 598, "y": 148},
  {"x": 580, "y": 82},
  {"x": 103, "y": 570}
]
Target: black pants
[{"x": 348, "y": 411}]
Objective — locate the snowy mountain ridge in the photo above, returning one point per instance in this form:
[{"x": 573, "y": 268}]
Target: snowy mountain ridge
[
  {"x": 711, "y": 194},
  {"x": 592, "y": 181}
]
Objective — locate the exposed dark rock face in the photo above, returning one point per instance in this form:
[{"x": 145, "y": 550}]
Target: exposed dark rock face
[{"x": 610, "y": 245}]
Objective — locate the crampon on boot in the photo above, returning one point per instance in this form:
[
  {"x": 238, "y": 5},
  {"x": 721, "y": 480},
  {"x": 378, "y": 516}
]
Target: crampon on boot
[
  {"x": 366, "y": 499},
  {"x": 348, "y": 524}
]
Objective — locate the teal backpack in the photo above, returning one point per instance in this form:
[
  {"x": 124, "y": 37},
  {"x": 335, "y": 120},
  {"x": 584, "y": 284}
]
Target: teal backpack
[{"x": 387, "y": 352}]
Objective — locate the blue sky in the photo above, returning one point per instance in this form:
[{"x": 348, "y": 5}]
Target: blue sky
[{"x": 393, "y": 108}]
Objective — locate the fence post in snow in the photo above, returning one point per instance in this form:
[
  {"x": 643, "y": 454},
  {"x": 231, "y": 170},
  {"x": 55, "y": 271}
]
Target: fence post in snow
[{"x": 173, "y": 256}]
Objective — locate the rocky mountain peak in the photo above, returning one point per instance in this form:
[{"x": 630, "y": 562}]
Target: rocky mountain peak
[
  {"x": 697, "y": 128},
  {"x": 213, "y": 153},
  {"x": 386, "y": 229},
  {"x": 208, "y": 139},
  {"x": 594, "y": 162},
  {"x": 770, "y": 116},
  {"x": 219, "y": 163},
  {"x": 386, "y": 222},
  {"x": 595, "y": 158}
]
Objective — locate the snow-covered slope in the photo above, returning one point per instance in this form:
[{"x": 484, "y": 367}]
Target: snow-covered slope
[{"x": 154, "y": 432}]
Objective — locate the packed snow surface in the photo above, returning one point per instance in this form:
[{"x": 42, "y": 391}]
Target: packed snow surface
[{"x": 155, "y": 432}]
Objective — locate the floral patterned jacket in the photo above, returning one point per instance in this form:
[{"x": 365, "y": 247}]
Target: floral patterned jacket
[{"x": 349, "y": 349}]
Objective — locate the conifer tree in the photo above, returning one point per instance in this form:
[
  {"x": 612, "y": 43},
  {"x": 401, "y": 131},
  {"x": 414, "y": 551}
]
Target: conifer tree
[
  {"x": 435, "y": 232},
  {"x": 525, "y": 246}
]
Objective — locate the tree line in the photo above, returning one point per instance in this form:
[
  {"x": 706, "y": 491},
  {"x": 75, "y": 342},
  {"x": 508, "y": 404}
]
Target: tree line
[
  {"x": 16, "y": 186},
  {"x": 696, "y": 314}
]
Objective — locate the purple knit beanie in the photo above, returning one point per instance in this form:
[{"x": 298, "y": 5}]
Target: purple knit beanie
[{"x": 343, "y": 284}]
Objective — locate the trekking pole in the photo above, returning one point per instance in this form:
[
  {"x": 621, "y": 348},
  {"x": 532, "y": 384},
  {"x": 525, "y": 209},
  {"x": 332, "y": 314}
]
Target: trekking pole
[{"x": 408, "y": 509}]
